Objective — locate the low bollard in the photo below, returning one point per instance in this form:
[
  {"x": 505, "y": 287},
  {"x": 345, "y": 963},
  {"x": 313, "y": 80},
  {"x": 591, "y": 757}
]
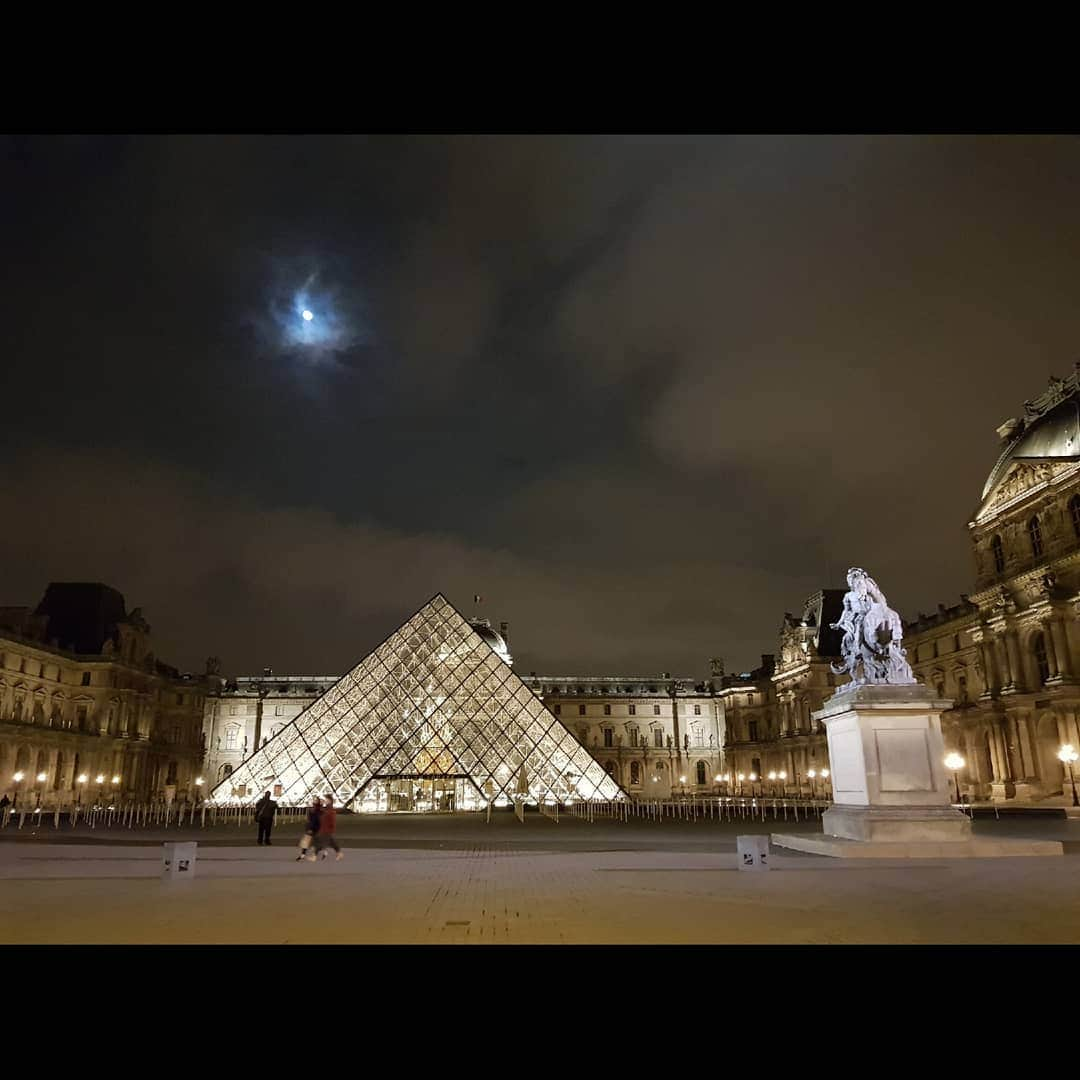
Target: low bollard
[
  {"x": 178, "y": 861},
  {"x": 753, "y": 852}
]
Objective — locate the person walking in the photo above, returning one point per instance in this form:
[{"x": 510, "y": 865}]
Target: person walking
[
  {"x": 265, "y": 809},
  {"x": 311, "y": 829},
  {"x": 327, "y": 824}
]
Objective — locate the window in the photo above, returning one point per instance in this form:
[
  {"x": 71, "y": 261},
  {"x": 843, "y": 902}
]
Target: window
[
  {"x": 635, "y": 772},
  {"x": 1038, "y": 647},
  {"x": 86, "y": 678},
  {"x": 609, "y": 768},
  {"x": 999, "y": 554},
  {"x": 1074, "y": 513},
  {"x": 656, "y": 710},
  {"x": 80, "y": 717},
  {"x": 939, "y": 688},
  {"x": 556, "y": 708},
  {"x": 633, "y": 710},
  {"x": 1035, "y": 533},
  {"x": 175, "y": 734},
  {"x": 232, "y": 710},
  {"x": 697, "y": 710},
  {"x": 961, "y": 688},
  {"x": 232, "y": 734},
  {"x": 581, "y": 710},
  {"x": 755, "y": 766},
  {"x": 58, "y": 776},
  {"x": 608, "y": 736},
  {"x": 752, "y": 728},
  {"x": 607, "y": 710},
  {"x": 224, "y": 771},
  {"x": 633, "y": 736},
  {"x": 658, "y": 738},
  {"x": 701, "y": 772},
  {"x": 170, "y": 775},
  {"x": 749, "y": 699}
]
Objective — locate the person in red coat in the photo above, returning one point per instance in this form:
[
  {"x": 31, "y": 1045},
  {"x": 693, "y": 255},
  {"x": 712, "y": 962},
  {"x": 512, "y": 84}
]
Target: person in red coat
[{"x": 325, "y": 837}]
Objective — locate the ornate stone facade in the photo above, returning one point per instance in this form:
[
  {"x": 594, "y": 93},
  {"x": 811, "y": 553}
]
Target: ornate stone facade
[{"x": 82, "y": 695}]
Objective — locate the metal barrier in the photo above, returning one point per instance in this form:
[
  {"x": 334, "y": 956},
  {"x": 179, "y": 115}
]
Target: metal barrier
[{"x": 704, "y": 808}]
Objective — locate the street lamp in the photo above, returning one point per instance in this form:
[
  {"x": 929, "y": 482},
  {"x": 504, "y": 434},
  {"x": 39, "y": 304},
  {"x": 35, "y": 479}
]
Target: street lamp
[
  {"x": 17, "y": 777},
  {"x": 1067, "y": 755},
  {"x": 954, "y": 762},
  {"x": 753, "y": 781},
  {"x": 741, "y": 778},
  {"x": 783, "y": 782},
  {"x": 812, "y": 773},
  {"x": 41, "y": 778},
  {"x": 82, "y": 781}
]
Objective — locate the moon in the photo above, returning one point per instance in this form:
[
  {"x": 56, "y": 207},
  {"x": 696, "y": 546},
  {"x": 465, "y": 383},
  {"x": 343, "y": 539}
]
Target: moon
[{"x": 306, "y": 315}]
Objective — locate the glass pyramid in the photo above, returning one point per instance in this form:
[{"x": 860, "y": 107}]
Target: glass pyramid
[{"x": 433, "y": 719}]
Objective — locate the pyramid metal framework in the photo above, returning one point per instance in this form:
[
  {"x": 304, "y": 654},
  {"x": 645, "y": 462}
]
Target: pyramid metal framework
[{"x": 434, "y": 702}]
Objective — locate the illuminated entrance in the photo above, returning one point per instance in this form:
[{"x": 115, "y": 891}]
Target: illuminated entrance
[
  {"x": 434, "y": 720},
  {"x": 420, "y": 795}
]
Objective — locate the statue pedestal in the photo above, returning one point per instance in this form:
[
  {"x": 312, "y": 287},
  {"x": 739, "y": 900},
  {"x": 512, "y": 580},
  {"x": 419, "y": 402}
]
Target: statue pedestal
[{"x": 892, "y": 795}]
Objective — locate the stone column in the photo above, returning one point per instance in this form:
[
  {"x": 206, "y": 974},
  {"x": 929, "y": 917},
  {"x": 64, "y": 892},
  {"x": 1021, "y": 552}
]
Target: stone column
[
  {"x": 992, "y": 683},
  {"x": 1015, "y": 667},
  {"x": 1051, "y": 650},
  {"x": 1061, "y": 648},
  {"x": 1003, "y": 662}
]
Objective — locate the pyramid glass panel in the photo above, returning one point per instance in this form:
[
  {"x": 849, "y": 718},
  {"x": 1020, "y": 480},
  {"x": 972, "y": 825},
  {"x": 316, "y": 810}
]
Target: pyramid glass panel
[{"x": 432, "y": 719}]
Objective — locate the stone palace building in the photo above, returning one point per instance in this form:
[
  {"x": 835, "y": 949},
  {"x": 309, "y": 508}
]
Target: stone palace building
[{"x": 88, "y": 713}]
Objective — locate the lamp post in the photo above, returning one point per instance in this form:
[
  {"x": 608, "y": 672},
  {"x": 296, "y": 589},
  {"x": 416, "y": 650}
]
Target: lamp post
[
  {"x": 17, "y": 777},
  {"x": 824, "y": 777},
  {"x": 753, "y": 781},
  {"x": 1067, "y": 755},
  {"x": 741, "y": 778},
  {"x": 783, "y": 784},
  {"x": 99, "y": 780},
  {"x": 79, "y": 790},
  {"x": 812, "y": 774},
  {"x": 41, "y": 778},
  {"x": 198, "y": 789},
  {"x": 954, "y": 763}
]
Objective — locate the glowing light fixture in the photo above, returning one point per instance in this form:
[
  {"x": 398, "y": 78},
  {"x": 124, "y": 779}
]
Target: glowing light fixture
[
  {"x": 753, "y": 777},
  {"x": 116, "y": 779},
  {"x": 82, "y": 778},
  {"x": 954, "y": 762},
  {"x": 99, "y": 779},
  {"x": 198, "y": 781},
  {"x": 824, "y": 774},
  {"x": 18, "y": 777},
  {"x": 783, "y": 775},
  {"x": 306, "y": 315},
  {"x": 41, "y": 778},
  {"x": 772, "y": 774}
]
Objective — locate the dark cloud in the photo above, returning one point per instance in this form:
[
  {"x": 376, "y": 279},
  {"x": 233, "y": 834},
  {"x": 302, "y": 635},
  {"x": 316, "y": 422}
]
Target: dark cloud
[{"x": 644, "y": 393}]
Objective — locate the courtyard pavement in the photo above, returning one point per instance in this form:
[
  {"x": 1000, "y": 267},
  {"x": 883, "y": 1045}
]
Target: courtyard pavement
[{"x": 448, "y": 880}]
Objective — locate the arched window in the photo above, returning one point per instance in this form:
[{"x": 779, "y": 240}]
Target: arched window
[
  {"x": 1038, "y": 647},
  {"x": 224, "y": 771},
  {"x": 232, "y": 735},
  {"x": 1035, "y": 532},
  {"x": 609, "y": 768},
  {"x": 635, "y": 772},
  {"x": 998, "y": 553},
  {"x": 701, "y": 772},
  {"x": 58, "y": 776},
  {"x": 961, "y": 689}
]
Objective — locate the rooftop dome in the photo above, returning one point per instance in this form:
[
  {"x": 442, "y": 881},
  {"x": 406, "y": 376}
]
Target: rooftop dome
[
  {"x": 493, "y": 638},
  {"x": 1050, "y": 430}
]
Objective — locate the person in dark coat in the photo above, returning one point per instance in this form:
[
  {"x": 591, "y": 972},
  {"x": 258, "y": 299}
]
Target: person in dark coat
[
  {"x": 265, "y": 809},
  {"x": 311, "y": 830}
]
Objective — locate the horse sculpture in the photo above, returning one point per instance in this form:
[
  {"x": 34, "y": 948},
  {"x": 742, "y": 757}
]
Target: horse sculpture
[{"x": 871, "y": 649}]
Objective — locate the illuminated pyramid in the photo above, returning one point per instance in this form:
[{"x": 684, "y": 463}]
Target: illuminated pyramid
[{"x": 432, "y": 719}]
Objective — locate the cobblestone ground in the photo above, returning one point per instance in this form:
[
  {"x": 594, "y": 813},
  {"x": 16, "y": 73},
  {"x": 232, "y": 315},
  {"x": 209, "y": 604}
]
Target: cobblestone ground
[{"x": 456, "y": 880}]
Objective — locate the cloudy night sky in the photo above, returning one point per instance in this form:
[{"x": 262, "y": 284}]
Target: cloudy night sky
[{"x": 644, "y": 394}]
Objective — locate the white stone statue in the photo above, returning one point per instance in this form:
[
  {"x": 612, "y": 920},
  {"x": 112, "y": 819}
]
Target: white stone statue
[{"x": 873, "y": 632}]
